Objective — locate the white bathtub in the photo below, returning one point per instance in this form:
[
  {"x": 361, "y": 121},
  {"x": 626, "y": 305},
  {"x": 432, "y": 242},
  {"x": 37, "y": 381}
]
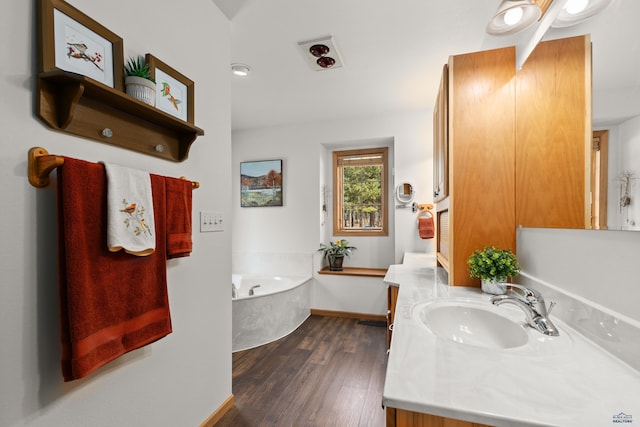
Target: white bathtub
[{"x": 278, "y": 306}]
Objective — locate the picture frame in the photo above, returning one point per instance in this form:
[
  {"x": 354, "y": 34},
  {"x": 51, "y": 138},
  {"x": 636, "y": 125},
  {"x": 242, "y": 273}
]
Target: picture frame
[
  {"x": 71, "y": 41},
  {"x": 261, "y": 183},
  {"x": 174, "y": 91}
]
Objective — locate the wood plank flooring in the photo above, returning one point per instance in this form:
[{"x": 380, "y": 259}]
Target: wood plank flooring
[{"x": 329, "y": 372}]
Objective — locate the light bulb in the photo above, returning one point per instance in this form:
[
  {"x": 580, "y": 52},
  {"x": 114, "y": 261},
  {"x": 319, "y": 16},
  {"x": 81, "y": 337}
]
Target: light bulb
[
  {"x": 513, "y": 16},
  {"x": 576, "y": 6}
]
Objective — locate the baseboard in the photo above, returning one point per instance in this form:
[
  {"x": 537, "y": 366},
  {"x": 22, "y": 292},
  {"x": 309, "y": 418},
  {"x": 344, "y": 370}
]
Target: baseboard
[
  {"x": 218, "y": 413},
  {"x": 348, "y": 314}
]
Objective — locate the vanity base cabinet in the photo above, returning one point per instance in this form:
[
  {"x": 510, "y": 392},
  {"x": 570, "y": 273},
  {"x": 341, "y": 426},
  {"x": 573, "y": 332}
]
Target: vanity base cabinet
[
  {"x": 392, "y": 298},
  {"x": 403, "y": 418}
]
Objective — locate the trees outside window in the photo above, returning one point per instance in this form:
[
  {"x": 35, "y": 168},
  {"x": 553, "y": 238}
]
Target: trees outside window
[{"x": 360, "y": 192}]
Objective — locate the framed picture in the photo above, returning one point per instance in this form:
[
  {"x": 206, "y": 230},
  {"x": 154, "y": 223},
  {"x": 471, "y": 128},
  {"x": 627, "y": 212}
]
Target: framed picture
[
  {"x": 174, "y": 91},
  {"x": 71, "y": 41},
  {"x": 261, "y": 183}
]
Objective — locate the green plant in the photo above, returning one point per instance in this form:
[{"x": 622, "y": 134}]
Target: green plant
[
  {"x": 138, "y": 68},
  {"x": 337, "y": 248},
  {"x": 492, "y": 263}
]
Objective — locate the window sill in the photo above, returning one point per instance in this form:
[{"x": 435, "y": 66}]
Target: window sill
[{"x": 356, "y": 271}]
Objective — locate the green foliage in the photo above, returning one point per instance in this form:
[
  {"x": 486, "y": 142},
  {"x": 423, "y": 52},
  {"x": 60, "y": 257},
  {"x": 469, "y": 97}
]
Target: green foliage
[
  {"x": 361, "y": 188},
  {"x": 493, "y": 263},
  {"x": 138, "y": 68},
  {"x": 339, "y": 247}
]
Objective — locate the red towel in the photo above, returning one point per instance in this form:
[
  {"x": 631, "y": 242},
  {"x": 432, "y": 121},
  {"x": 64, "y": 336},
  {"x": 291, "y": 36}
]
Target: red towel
[
  {"x": 111, "y": 302},
  {"x": 426, "y": 228},
  {"x": 179, "y": 192}
]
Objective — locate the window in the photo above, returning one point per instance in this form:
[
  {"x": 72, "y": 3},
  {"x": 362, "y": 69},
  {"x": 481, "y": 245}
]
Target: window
[{"x": 360, "y": 192}]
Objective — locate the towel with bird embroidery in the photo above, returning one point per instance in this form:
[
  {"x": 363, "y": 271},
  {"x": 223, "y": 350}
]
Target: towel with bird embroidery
[{"x": 130, "y": 220}]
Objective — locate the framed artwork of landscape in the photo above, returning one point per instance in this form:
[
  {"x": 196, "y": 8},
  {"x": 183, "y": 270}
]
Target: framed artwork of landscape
[{"x": 261, "y": 183}]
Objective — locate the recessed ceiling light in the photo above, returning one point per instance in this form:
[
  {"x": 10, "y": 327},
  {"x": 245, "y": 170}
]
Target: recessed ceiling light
[{"x": 240, "y": 70}]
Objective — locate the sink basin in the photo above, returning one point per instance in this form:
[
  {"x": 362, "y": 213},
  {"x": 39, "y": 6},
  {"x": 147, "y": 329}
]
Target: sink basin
[{"x": 470, "y": 322}]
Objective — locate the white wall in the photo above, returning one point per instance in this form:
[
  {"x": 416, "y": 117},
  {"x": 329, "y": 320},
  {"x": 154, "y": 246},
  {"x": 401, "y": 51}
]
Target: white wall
[
  {"x": 181, "y": 379},
  {"x": 598, "y": 265},
  {"x": 297, "y": 225},
  {"x": 300, "y": 226}
]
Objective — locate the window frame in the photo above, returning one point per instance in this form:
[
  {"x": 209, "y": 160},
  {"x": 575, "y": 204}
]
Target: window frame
[{"x": 338, "y": 186}]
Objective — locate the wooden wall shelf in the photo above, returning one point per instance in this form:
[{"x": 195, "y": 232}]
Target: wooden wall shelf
[{"x": 75, "y": 104}]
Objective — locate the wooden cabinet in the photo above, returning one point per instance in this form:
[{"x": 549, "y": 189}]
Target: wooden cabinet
[
  {"x": 519, "y": 148},
  {"x": 441, "y": 139},
  {"x": 480, "y": 207},
  {"x": 392, "y": 299},
  {"x": 75, "y": 104},
  {"x": 553, "y": 135},
  {"x": 402, "y": 418}
]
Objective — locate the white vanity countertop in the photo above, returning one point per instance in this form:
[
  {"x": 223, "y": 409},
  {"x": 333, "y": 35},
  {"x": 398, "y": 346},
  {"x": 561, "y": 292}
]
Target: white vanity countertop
[{"x": 564, "y": 381}]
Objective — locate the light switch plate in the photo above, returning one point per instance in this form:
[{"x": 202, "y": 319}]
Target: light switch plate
[{"x": 211, "y": 221}]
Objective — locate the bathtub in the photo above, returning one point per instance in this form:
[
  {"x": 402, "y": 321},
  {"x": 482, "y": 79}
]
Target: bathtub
[{"x": 277, "y": 307}]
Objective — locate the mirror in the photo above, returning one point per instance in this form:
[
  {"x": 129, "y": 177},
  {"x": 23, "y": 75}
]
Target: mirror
[
  {"x": 615, "y": 37},
  {"x": 405, "y": 193}
]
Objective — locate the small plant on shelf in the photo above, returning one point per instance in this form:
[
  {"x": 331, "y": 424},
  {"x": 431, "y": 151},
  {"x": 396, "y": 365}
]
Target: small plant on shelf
[
  {"x": 335, "y": 253},
  {"x": 138, "y": 68},
  {"x": 138, "y": 81},
  {"x": 493, "y": 267}
]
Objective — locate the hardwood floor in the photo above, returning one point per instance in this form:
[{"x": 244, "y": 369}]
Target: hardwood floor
[{"x": 329, "y": 372}]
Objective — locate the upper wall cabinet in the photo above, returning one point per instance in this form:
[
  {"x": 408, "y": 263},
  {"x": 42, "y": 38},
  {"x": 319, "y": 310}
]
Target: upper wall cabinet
[
  {"x": 553, "y": 135},
  {"x": 518, "y": 148},
  {"x": 479, "y": 208},
  {"x": 441, "y": 139}
]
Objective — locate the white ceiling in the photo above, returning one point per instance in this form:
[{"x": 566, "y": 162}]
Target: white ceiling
[{"x": 393, "y": 52}]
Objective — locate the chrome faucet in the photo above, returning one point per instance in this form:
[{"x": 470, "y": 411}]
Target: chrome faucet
[
  {"x": 251, "y": 289},
  {"x": 533, "y": 305}
]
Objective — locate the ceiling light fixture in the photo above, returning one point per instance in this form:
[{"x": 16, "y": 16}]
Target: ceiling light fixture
[
  {"x": 513, "y": 16},
  {"x": 240, "y": 70},
  {"x": 322, "y": 54},
  {"x": 577, "y": 11}
]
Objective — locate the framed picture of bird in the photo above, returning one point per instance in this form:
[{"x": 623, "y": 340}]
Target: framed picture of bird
[
  {"x": 71, "y": 41},
  {"x": 174, "y": 91}
]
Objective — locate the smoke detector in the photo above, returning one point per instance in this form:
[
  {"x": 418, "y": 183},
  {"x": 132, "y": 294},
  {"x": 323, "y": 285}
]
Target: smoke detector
[{"x": 321, "y": 54}]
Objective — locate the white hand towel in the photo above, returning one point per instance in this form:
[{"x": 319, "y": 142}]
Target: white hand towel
[{"x": 130, "y": 221}]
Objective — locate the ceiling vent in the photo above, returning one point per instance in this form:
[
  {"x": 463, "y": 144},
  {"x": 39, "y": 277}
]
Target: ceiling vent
[{"x": 321, "y": 54}]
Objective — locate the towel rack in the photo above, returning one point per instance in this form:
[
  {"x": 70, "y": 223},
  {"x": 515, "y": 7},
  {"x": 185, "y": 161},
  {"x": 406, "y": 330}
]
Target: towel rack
[{"x": 41, "y": 163}]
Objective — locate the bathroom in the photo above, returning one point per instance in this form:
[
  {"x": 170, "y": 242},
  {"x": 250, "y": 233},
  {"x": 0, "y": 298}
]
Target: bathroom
[{"x": 196, "y": 357}]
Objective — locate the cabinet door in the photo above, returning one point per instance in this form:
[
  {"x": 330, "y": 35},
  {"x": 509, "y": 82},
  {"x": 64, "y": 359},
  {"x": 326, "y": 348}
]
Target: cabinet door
[
  {"x": 481, "y": 157},
  {"x": 403, "y": 418},
  {"x": 553, "y": 135},
  {"x": 441, "y": 140},
  {"x": 392, "y": 298}
]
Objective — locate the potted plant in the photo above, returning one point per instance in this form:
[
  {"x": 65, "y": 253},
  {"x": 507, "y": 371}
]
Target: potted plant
[
  {"x": 335, "y": 253},
  {"x": 493, "y": 266},
  {"x": 138, "y": 81}
]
